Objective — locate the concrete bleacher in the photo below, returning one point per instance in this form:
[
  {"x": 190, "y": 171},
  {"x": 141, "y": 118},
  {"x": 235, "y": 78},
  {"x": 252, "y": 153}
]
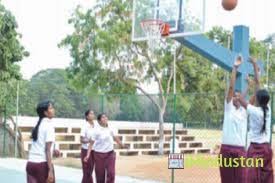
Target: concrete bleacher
[{"x": 141, "y": 138}]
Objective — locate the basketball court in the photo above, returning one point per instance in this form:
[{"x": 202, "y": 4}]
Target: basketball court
[
  {"x": 13, "y": 170},
  {"x": 161, "y": 24}
]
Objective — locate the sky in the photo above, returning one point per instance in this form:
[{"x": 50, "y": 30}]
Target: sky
[{"x": 43, "y": 24}]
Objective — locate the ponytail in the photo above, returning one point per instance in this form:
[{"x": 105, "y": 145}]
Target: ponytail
[
  {"x": 35, "y": 130},
  {"x": 265, "y": 108},
  {"x": 262, "y": 97},
  {"x": 40, "y": 110}
]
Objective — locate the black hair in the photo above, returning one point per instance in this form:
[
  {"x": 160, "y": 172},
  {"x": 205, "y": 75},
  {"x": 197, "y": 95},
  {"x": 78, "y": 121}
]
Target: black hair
[
  {"x": 263, "y": 99},
  {"x": 87, "y": 114},
  {"x": 100, "y": 116},
  {"x": 41, "y": 108}
]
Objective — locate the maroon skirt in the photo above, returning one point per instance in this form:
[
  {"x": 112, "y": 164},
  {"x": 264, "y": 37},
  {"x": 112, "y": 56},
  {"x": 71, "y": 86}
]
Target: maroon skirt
[
  {"x": 105, "y": 167},
  {"x": 260, "y": 174},
  {"x": 87, "y": 167},
  {"x": 37, "y": 172},
  {"x": 232, "y": 174}
]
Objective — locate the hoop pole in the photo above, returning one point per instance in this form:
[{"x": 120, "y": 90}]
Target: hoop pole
[
  {"x": 16, "y": 124},
  {"x": 174, "y": 113}
]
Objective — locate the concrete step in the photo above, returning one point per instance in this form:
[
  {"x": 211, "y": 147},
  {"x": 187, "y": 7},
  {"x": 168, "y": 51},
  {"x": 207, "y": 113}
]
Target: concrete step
[
  {"x": 129, "y": 153},
  {"x": 147, "y": 132},
  {"x": 188, "y": 151},
  {"x": 187, "y": 138},
  {"x": 169, "y": 137},
  {"x": 76, "y": 130},
  {"x": 203, "y": 150},
  {"x": 26, "y": 129},
  {"x": 61, "y": 130},
  {"x": 195, "y": 144},
  {"x": 69, "y": 146},
  {"x": 65, "y": 137},
  {"x": 126, "y": 131}
]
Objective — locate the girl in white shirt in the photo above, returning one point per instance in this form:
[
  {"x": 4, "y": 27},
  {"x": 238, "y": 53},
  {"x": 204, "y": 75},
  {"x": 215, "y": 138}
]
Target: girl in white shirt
[
  {"x": 39, "y": 167},
  {"x": 259, "y": 133},
  {"x": 86, "y": 132},
  {"x": 102, "y": 141},
  {"x": 234, "y": 132}
]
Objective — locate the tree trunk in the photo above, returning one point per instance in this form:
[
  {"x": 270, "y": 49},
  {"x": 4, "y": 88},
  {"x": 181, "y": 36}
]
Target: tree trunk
[{"x": 161, "y": 131}]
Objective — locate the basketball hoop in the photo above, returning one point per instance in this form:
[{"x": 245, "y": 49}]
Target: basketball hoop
[{"x": 154, "y": 29}]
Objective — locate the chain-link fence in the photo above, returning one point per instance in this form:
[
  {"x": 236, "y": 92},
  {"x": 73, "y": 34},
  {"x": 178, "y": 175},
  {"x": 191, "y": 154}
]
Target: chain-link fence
[
  {"x": 198, "y": 119},
  {"x": 3, "y": 133},
  {"x": 193, "y": 110},
  {"x": 10, "y": 145},
  {"x": 201, "y": 115}
]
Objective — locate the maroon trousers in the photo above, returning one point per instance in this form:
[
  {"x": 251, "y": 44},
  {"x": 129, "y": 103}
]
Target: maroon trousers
[
  {"x": 261, "y": 174},
  {"x": 105, "y": 167},
  {"x": 37, "y": 172},
  {"x": 232, "y": 174},
  {"x": 87, "y": 167}
]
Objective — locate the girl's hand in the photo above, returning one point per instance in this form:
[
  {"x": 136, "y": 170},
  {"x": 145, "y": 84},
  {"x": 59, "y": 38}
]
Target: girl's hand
[
  {"x": 252, "y": 60},
  {"x": 86, "y": 159},
  {"x": 56, "y": 153},
  {"x": 50, "y": 177},
  {"x": 238, "y": 61},
  {"x": 123, "y": 146}
]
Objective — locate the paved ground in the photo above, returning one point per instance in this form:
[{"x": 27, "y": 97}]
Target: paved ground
[{"x": 13, "y": 170}]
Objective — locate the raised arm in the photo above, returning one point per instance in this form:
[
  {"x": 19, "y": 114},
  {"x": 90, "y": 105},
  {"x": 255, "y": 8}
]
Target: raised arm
[
  {"x": 256, "y": 73},
  {"x": 256, "y": 80},
  {"x": 243, "y": 102},
  {"x": 231, "y": 89},
  {"x": 249, "y": 85},
  {"x": 242, "y": 99}
]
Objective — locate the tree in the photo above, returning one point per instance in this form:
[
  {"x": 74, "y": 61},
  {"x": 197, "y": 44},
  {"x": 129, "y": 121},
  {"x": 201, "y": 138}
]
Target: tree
[
  {"x": 270, "y": 40},
  {"x": 11, "y": 52},
  {"x": 52, "y": 84},
  {"x": 105, "y": 58},
  {"x": 106, "y": 61},
  {"x": 131, "y": 108}
]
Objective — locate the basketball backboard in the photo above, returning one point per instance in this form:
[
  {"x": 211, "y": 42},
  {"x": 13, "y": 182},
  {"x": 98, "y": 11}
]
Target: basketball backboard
[{"x": 185, "y": 17}]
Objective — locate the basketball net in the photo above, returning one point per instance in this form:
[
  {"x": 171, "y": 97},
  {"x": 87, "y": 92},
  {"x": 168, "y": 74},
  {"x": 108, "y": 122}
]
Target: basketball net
[{"x": 153, "y": 30}]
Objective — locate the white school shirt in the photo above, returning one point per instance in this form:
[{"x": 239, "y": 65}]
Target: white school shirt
[
  {"x": 256, "y": 121},
  {"x": 86, "y": 131},
  {"x": 103, "y": 139},
  {"x": 234, "y": 125},
  {"x": 46, "y": 134}
]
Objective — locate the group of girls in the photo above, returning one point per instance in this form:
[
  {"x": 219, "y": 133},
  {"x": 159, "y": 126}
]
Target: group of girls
[
  {"x": 97, "y": 149},
  {"x": 97, "y": 139},
  {"x": 247, "y": 124}
]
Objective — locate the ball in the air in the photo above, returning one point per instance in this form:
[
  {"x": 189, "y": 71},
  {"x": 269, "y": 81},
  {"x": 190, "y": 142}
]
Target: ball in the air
[{"x": 229, "y": 4}]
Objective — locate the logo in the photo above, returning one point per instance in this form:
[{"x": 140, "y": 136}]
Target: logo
[{"x": 175, "y": 161}]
